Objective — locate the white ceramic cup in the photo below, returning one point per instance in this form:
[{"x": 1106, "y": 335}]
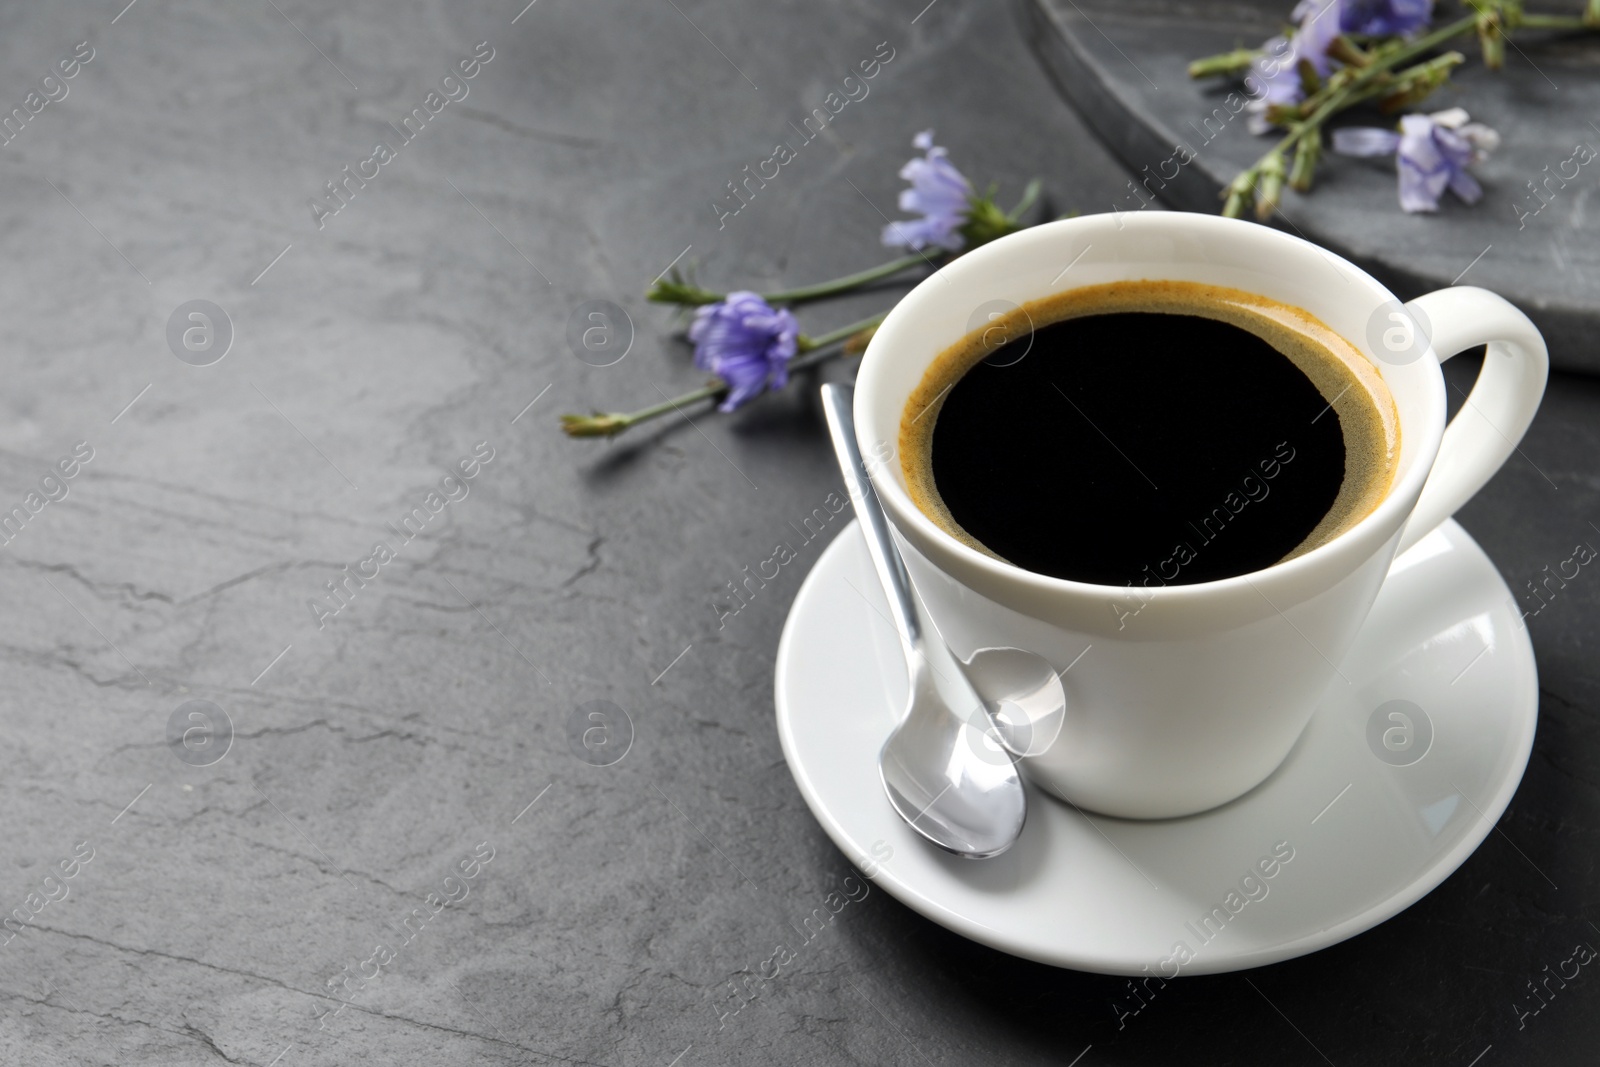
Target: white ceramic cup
[{"x": 1181, "y": 697}]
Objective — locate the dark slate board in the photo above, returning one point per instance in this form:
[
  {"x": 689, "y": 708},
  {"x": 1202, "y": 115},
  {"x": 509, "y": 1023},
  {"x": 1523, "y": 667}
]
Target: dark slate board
[{"x": 1122, "y": 64}]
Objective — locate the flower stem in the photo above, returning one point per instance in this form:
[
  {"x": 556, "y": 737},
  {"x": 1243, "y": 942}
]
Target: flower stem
[
  {"x": 1029, "y": 195},
  {"x": 1306, "y": 155},
  {"x": 1555, "y": 22},
  {"x": 674, "y": 290},
  {"x": 1412, "y": 85},
  {"x": 1235, "y": 62},
  {"x": 1269, "y": 185},
  {"x": 843, "y": 333},
  {"x": 849, "y": 281},
  {"x": 608, "y": 425}
]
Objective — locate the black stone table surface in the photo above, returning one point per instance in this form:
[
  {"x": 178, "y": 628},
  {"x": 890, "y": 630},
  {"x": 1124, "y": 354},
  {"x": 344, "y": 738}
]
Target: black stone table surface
[{"x": 404, "y": 772}]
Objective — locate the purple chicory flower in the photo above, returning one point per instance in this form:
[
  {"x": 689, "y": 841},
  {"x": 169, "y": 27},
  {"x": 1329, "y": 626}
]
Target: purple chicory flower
[
  {"x": 747, "y": 343},
  {"x": 1277, "y": 72},
  {"x": 939, "y": 192},
  {"x": 1432, "y": 153},
  {"x": 1319, "y": 23},
  {"x": 1385, "y": 18}
]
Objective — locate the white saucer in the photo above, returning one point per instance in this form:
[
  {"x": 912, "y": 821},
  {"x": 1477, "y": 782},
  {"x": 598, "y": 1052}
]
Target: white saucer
[{"x": 1369, "y": 838}]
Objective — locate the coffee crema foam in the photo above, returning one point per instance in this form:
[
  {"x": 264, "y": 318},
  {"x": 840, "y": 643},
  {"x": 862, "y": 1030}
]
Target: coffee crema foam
[{"x": 1349, "y": 382}]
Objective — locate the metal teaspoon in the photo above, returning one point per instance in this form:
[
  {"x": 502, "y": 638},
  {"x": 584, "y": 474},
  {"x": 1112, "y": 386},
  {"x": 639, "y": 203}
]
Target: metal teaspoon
[{"x": 940, "y": 772}]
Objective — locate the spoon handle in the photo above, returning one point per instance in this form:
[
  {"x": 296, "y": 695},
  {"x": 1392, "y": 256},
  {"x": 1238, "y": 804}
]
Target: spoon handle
[{"x": 836, "y": 403}]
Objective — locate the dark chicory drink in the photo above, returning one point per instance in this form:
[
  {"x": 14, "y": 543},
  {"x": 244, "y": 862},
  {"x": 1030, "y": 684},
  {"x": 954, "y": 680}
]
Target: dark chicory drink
[{"x": 1149, "y": 432}]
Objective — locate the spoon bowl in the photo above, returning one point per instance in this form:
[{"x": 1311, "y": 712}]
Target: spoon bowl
[{"x": 948, "y": 778}]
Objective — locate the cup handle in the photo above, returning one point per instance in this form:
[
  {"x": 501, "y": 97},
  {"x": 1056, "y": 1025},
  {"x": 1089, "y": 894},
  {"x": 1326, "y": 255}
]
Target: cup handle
[{"x": 1497, "y": 412}]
